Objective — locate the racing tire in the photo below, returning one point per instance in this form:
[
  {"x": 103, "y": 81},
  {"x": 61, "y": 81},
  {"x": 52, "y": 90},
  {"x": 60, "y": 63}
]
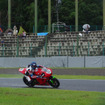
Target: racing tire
[
  {"x": 27, "y": 82},
  {"x": 54, "y": 82}
]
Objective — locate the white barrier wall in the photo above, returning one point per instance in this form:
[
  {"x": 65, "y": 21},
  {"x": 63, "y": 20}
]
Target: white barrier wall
[{"x": 58, "y": 61}]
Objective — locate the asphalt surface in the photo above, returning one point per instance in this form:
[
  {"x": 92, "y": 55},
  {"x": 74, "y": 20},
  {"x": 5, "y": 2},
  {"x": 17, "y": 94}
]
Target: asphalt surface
[{"x": 65, "y": 84}]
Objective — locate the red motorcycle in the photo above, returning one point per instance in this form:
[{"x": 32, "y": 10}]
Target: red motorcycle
[{"x": 47, "y": 78}]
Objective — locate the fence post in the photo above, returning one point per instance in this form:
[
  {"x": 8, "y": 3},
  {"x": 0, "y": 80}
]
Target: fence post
[
  {"x": 45, "y": 28},
  {"x": 77, "y": 44},
  {"x": 70, "y": 28},
  {"x": 73, "y": 49},
  {"x": 96, "y": 27},
  {"x": 33, "y": 29},
  {"x": 46, "y": 46},
  {"x": 59, "y": 48},
  {"x": 31, "y": 49},
  {"x": 9, "y": 13},
  {"x": 103, "y": 48},
  {"x": 2, "y": 49},
  {"x": 17, "y": 46}
]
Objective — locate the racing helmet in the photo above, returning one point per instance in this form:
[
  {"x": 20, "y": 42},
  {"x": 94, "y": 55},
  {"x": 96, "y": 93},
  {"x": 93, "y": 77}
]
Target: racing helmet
[{"x": 33, "y": 65}]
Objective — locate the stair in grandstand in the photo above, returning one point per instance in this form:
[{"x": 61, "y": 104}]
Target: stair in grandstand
[{"x": 41, "y": 44}]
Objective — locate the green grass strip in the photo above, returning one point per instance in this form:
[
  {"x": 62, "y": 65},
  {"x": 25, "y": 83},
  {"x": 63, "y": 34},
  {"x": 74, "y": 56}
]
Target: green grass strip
[
  {"x": 36, "y": 96},
  {"x": 80, "y": 77},
  {"x": 58, "y": 76}
]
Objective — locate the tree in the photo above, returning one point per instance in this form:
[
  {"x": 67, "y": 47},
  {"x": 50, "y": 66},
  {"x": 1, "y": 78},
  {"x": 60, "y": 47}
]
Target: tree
[
  {"x": 3, "y": 13},
  {"x": 90, "y": 11}
]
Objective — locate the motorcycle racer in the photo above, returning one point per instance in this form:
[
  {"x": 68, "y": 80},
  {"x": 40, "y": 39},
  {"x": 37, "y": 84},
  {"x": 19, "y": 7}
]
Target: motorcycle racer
[
  {"x": 30, "y": 71},
  {"x": 31, "y": 68},
  {"x": 46, "y": 74}
]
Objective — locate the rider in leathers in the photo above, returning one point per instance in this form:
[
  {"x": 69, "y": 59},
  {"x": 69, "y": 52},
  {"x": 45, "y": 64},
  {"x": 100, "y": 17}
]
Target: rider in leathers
[{"x": 31, "y": 70}]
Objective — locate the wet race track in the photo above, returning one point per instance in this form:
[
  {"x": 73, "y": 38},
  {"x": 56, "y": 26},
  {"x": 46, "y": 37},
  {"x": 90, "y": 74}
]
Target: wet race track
[{"x": 65, "y": 84}]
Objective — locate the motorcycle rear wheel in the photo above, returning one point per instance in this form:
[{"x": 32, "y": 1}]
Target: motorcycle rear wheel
[{"x": 54, "y": 82}]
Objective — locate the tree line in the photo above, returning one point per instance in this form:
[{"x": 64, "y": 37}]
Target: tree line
[{"x": 22, "y": 12}]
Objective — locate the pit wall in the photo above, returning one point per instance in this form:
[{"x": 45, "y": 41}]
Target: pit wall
[{"x": 57, "y": 61}]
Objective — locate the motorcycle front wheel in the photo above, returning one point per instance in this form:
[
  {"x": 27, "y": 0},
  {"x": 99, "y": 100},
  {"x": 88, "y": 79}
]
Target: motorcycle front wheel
[
  {"x": 27, "y": 83},
  {"x": 54, "y": 82}
]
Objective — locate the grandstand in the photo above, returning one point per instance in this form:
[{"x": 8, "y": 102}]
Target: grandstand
[{"x": 54, "y": 44}]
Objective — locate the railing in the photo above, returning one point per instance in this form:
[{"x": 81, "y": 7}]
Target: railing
[
  {"x": 62, "y": 28},
  {"x": 58, "y": 44},
  {"x": 87, "y": 50},
  {"x": 67, "y": 28}
]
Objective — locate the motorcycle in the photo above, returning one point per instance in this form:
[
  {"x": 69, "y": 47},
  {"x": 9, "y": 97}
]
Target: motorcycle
[{"x": 47, "y": 78}]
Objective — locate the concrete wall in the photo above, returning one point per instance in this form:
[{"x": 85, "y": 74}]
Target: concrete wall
[{"x": 58, "y": 61}]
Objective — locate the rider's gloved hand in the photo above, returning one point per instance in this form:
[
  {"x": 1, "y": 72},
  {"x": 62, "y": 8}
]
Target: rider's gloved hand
[
  {"x": 31, "y": 75},
  {"x": 43, "y": 74},
  {"x": 39, "y": 76}
]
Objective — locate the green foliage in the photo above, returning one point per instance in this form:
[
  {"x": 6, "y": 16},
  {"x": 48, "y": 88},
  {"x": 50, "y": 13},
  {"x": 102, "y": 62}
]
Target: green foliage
[
  {"x": 90, "y": 11},
  {"x": 67, "y": 12}
]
